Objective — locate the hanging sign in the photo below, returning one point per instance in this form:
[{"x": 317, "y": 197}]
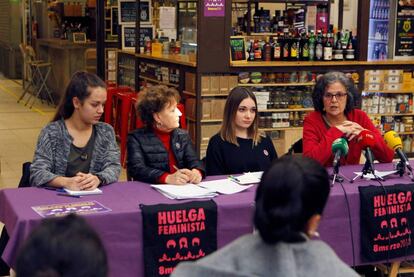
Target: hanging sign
[
  {"x": 214, "y": 8},
  {"x": 386, "y": 222},
  {"x": 177, "y": 232}
]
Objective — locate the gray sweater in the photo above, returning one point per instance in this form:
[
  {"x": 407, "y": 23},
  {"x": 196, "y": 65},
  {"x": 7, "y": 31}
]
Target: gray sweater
[
  {"x": 250, "y": 256},
  {"x": 53, "y": 148}
]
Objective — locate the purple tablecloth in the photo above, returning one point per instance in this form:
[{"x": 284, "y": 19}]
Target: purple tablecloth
[
  {"x": 335, "y": 227},
  {"x": 121, "y": 229}
]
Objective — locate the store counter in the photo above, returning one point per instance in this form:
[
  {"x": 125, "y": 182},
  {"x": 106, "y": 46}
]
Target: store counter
[{"x": 66, "y": 58}]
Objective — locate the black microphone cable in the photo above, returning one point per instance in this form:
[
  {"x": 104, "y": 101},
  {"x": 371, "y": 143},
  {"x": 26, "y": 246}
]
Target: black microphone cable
[{"x": 350, "y": 221}]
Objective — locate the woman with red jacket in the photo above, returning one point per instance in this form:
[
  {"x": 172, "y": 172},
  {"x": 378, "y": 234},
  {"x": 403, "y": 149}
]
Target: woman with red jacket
[{"x": 335, "y": 117}]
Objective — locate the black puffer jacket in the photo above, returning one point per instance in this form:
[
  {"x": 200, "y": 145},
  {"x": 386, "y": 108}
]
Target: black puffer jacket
[{"x": 148, "y": 159}]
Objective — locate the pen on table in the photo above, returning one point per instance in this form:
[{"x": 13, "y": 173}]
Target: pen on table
[
  {"x": 233, "y": 178},
  {"x": 68, "y": 195},
  {"x": 55, "y": 189}
]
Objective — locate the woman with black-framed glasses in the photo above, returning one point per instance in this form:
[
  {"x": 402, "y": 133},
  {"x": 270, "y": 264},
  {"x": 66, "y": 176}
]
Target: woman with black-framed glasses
[{"x": 335, "y": 117}]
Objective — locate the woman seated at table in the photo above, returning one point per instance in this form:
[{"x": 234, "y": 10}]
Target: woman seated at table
[
  {"x": 335, "y": 117},
  {"x": 75, "y": 150},
  {"x": 161, "y": 152},
  {"x": 239, "y": 146},
  {"x": 289, "y": 203}
]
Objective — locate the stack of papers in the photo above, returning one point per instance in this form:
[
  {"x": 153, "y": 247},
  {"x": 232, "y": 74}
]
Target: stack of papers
[
  {"x": 205, "y": 189},
  {"x": 248, "y": 178},
  {"x": 82, "y": 192},
  {"x": 380, "y": 174},
  {"x": 184, "y": 191}
]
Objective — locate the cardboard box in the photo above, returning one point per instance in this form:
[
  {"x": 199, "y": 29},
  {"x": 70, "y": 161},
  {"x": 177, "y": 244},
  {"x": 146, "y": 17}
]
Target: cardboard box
[
  {"x": 376, "y": 72},
  {"x": 393, "y": 79},
  {"x": 206, "y": 109},
  {"x": 190, "y": 82},
  {"x": 217, "y": 108},
  {"x": 374, "y": 79},
  {"x": 392, "y": 87},
  {"x": 233, "y": 82},
  {"x": 214, "y": 84},
  {"x": 205, "y": 85},
  {"x": 207, "y": 131},
  {"x": 394, "y": 72},
  {"x": 369, "y": 86},
  {"x": 224, "y": 84}
]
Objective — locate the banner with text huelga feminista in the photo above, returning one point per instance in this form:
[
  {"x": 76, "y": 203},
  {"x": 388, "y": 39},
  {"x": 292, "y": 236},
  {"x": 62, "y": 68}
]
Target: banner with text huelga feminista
[
  {"x": 386, "y": 221},
  {"x": 177, "y": 232}
]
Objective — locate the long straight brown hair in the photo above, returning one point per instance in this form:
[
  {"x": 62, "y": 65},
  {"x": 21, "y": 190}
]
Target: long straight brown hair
[
  {"x": 79, "y": 86},
  {"x": 227, "y": 131}
]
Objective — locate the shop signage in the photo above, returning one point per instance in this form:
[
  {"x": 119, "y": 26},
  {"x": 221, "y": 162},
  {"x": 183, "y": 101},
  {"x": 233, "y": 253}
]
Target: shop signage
[
  {"x": 404, "y": 34},
  {"x": 386, "y": 223},
  {"x": 128, "y": 11},
  {"x": 214, "y": 8},
  {"x": 237, "y": 48},
  {"x": 128, "y": 36}
]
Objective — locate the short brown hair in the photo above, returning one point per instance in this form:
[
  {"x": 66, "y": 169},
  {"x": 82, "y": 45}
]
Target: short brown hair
[
  {"x": 227, "y": 131},
  {"x": 153, "y": 100}
]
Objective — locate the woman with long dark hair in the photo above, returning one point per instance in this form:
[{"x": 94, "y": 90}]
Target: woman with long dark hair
[
  {"x": 239, "y": 146},
  {"x": 75, "y": 150}
]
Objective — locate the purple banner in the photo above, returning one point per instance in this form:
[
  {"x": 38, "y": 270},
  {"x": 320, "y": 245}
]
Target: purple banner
[
  {"x": 84, "y": 207},
  {"x": 214, "y": 8}
]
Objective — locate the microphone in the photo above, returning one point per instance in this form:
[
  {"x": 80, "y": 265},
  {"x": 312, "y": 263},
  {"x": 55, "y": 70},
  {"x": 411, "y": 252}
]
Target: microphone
[
  {"x": 393, "y": 141},
  {"x": 367, "y": 140},
  {"x": 339, "y": 149}
]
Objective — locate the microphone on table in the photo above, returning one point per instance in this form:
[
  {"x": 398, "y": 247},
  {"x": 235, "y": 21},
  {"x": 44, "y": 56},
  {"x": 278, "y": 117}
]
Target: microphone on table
[
  {"x": 339, "y": 149},
  {"x": 367, "y": 140},
  {"x": 393, "y": 141}
]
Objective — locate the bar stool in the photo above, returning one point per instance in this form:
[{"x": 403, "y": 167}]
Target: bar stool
[
  {"x": 39, "y": 74},
  {"x": 122, "y": 114},
  {"x": 109, "y": 109}
]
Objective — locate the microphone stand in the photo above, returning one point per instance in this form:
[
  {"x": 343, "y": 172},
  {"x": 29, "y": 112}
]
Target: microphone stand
[
  {"x": 401, "y": 166},
  {"x": 336, "y": 176},
  {"x": 367, "y": 169}
]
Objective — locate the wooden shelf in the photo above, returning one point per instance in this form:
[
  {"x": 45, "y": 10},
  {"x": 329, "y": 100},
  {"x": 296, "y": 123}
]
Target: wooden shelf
[
  {"x": 388, "y": 91},
  {"x": 277, "y": 84},
  {"x": 406, "y": 133},
  {"x": 317, "y": 63},
  {"x": 126, "y": 67},
  {"x": 189, "y": 93},
  {"x": 280, "y": 129},
  {"x": 390, "y": 114},
  {"x": 176, "y": 59},
  {"x": 205, "y": 120},
  {"x": 205, "y": 95},
  {"x": 158, "y": 82},
  {"x": 288, "y": 110}
]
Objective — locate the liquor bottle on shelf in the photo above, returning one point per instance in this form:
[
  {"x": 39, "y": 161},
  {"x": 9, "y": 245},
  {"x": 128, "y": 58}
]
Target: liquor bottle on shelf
[
  {"x": 337, "y": 52},
  {"x": 251, "y": 52},
  {"x": 294, "y": 47},
  {"x": 312, "y": 42},
  {"x": 350, "y": 51},
  {"x": 327, "y": 49},
  {"x": 267, "y": 51},
  {"x": 319, "y": 47},
  {"x": 276, "y": 49},
  {"x": 286, "y": 45},
  {"x": 304, "y": 47}
]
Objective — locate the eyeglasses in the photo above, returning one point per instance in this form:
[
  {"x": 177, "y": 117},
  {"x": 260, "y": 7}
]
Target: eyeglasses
[{"x": 339, "y": 96}]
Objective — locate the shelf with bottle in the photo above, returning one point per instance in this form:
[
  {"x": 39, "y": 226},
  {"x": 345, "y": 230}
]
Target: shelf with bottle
[
  {"x": 277, "y": 84},
  {"x": 390, "y": 114},
  {"x": 288, "y": 110},
  {"x": 389, "y": 91},
  {"x": 158, "y": 81}
]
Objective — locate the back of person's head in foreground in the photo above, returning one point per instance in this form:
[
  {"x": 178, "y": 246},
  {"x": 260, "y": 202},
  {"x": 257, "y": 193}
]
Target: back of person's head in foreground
[
  {"x": 62, "y": 247},
  {"x": 290, "y": 199}
]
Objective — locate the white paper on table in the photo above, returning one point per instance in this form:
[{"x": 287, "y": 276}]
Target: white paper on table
[
  {"x": 223, "y": 186},
  {"x": 83, "y": 192},
  {"x": 184, "y": 191},
  {"x": 380, "y": 174},
  {"x": 248, "y": 178}
]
